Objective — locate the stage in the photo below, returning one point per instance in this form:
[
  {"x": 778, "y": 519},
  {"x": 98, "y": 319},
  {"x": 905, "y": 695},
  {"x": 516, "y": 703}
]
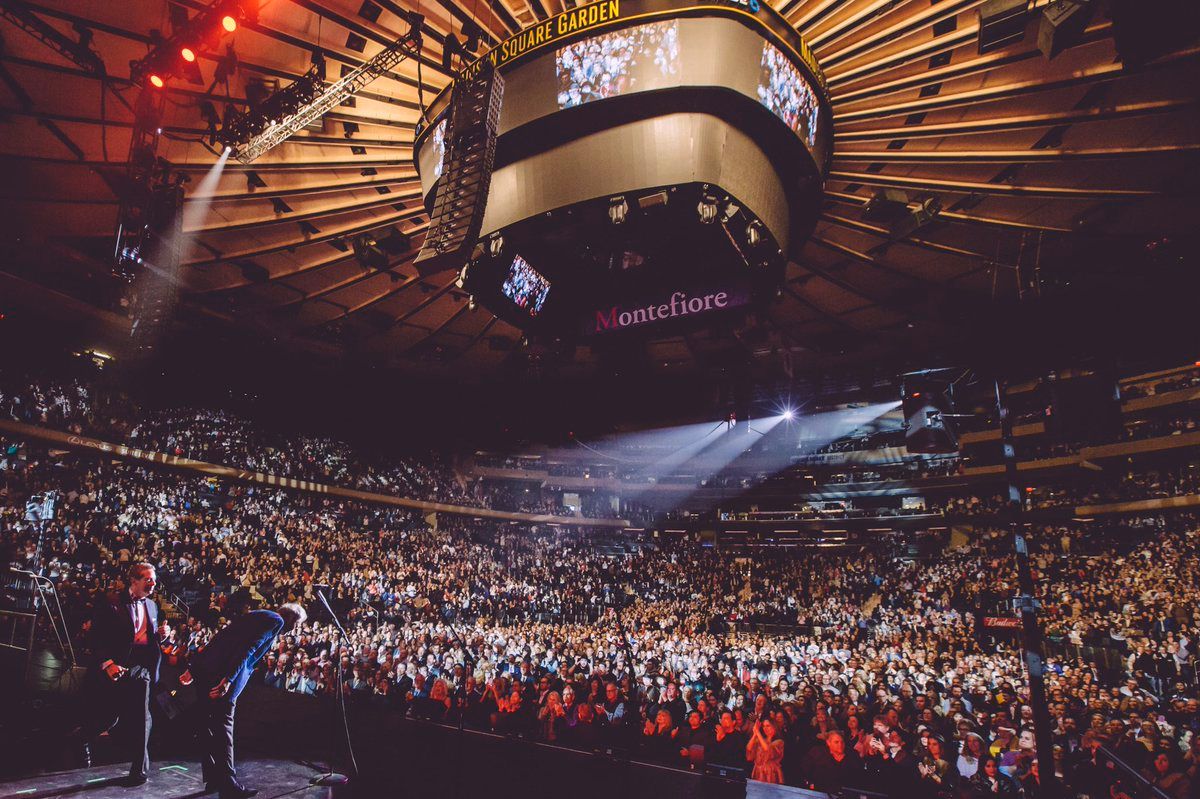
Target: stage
[
  {"x": 277, "y": 730},
  {"x": 173, "y": 779}
]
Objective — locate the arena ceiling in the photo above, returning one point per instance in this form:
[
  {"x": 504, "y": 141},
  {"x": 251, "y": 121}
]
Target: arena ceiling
[{"x": 1024, "y": 153}]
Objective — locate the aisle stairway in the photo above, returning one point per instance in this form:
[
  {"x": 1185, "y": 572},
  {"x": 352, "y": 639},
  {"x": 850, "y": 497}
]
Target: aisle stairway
[{"x": 172, "y": 608}]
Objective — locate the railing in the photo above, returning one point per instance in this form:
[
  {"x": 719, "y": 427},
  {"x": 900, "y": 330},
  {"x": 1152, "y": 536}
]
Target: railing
[
  {"x": 1134, "y": 774},
  {"x": 178, "y": 602},
  {"x": 58, "y": 621},
  {"x": 31, "y": 594}
]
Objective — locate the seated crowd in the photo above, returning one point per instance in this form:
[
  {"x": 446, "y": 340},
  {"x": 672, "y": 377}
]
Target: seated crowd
[
  {"x": 217, "y": 436},
  {"x": 1176, "y": 481},
  {"x": 868, "y": 668},
  {"x": 1162, "y": 385}
]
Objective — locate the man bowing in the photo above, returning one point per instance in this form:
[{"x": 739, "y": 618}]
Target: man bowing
[{"x": 221, "y": 670}]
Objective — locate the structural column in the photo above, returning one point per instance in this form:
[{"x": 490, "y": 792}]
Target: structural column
[{"x": 1026, "y": 606}]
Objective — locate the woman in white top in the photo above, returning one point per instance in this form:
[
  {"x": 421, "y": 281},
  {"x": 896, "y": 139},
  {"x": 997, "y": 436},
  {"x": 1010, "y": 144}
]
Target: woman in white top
[{"x": 972, "y": 753}]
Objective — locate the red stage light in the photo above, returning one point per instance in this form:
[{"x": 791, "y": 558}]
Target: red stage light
[
  {"x": 156, "y": 81},
  {"x": 229, "y": 23},
  {"x": 188, "y": 54}
]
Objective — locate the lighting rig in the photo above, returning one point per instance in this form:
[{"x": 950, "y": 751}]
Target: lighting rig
[
  {"x": 79, "y": 52},
  {"x": 151, "y": 193},
  {"x": 177, "y": 55},
  {"x": 304, "y": 101},
  {"x": 145, "y": 177}
]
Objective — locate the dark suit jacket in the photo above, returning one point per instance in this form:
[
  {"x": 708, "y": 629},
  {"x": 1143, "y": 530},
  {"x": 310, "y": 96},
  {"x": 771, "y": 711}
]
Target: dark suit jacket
[
  {"x": 112, "y": 633},
  {"x": 233, "y": 652}
]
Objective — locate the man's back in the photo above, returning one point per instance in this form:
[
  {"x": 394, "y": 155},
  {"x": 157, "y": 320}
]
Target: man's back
[{"x": 234, "y": 650}]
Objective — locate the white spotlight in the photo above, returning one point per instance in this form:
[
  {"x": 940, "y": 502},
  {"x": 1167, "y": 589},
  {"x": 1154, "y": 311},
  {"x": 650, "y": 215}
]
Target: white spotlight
[
  {"x": 789, "y": 414},
  {"x": 754, "y": 233},
  {"x": 228, "y": 150},
  {"x": 618, "y": 210}
]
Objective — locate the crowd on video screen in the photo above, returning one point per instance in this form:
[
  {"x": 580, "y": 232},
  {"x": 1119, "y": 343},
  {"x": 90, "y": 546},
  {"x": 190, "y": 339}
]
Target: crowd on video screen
[
  {"x": 525, "y": 286},
  {"x": 628, "y": 60},
  {"x": 787, "y": 94}
]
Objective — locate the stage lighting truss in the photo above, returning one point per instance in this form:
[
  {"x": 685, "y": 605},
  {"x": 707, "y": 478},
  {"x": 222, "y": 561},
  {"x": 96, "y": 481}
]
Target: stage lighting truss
[
  {"x": 178, "y": 54},
  {"x": 79, "y": 52},
  {"x": 298, "y": 105}
]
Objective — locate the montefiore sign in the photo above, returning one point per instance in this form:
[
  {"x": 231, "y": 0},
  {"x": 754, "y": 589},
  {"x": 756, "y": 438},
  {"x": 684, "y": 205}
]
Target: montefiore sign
[{"x": 677, "y": 305}]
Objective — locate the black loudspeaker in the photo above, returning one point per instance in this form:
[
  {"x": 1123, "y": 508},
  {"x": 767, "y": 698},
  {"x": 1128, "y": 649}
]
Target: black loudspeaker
[
  {"x": 927, "y": 409},
  {"x": 462, "y": 190},
  {"x": 1062, "y": 25}
]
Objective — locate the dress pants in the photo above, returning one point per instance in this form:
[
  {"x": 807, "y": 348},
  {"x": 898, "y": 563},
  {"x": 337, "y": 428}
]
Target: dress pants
[
  {"x": 126, "y": 700},
  {"x": 216, "y": 730}
]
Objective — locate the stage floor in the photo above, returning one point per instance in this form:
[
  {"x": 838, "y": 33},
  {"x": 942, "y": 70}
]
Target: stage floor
[{"x": 171, "y": 779}]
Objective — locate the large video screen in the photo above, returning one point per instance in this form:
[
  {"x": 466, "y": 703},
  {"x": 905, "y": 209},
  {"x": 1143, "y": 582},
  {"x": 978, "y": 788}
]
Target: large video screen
[
  {"x": 525, "y": 286},
  {"x": 787, "y": 94},
  {"x": 633, "y": 59},
  {"x": 654, "y": 56}
]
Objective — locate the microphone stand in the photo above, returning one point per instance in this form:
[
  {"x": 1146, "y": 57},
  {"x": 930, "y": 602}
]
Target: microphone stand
[
  {"x": 462, "y": 690},
  {"x": 331, "y": 777}
]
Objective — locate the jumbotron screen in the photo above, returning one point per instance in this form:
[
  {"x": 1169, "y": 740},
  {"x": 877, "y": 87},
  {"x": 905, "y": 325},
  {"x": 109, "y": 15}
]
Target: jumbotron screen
[
  {"x": 787, "y": 95},
  {"x": 640, "y": 58},
  {"x": 662, "y": 55},
  {"x": 525, "y": 286}
]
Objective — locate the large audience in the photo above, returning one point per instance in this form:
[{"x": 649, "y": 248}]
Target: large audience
[{"x": 868, "y": 668}]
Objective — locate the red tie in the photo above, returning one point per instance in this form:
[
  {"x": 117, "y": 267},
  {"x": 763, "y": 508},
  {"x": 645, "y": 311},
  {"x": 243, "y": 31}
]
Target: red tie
[{"x": 139, "y": 622}]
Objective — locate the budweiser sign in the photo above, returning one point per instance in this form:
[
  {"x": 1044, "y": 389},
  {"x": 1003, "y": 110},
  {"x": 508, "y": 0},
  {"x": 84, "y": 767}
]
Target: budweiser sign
[{"x": 1002, "y": 622}]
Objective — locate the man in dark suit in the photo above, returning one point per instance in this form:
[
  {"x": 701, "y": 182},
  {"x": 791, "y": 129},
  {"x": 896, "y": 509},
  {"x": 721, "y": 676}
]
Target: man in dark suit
[
  {"x": 123, "y": 667},
  {"x": 221, "y": 670}
]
